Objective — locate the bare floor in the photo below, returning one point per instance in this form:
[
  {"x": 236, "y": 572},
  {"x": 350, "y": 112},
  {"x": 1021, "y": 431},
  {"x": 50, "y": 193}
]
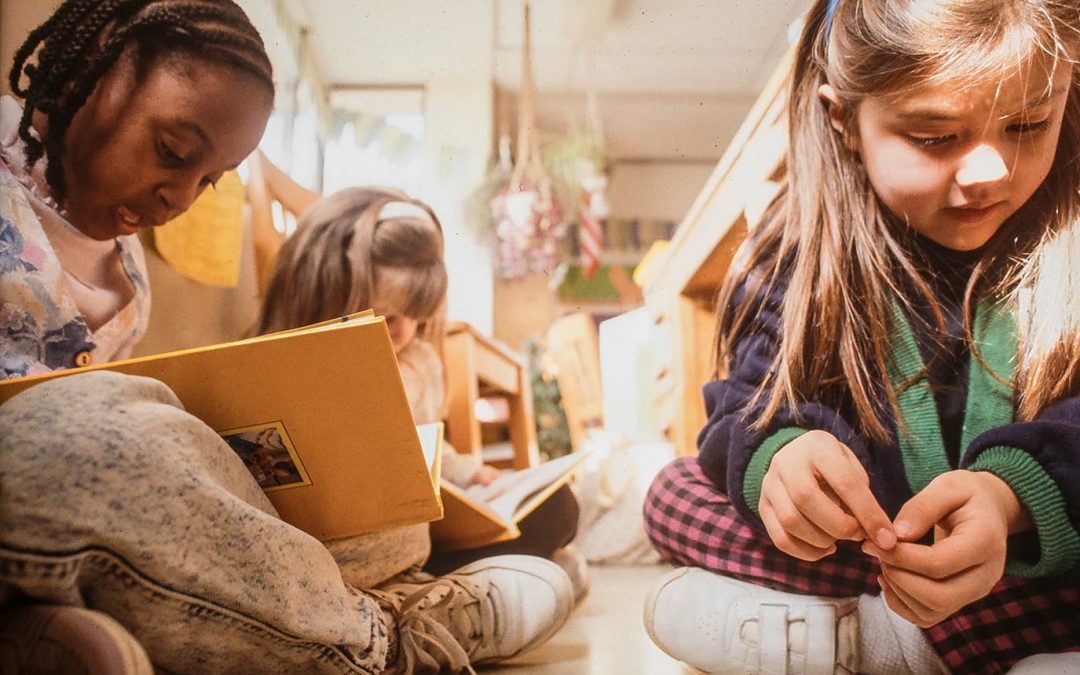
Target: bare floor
[{"x": 605, "y": 635}]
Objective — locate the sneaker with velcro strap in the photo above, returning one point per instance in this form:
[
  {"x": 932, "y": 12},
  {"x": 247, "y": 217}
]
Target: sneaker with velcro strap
[{"x": 722, "y": 625}]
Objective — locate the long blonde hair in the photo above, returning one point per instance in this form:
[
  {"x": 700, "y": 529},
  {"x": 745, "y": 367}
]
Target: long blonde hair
[
  {"x": 342, "y": 245},
  {"x": 843, "y": 258}
]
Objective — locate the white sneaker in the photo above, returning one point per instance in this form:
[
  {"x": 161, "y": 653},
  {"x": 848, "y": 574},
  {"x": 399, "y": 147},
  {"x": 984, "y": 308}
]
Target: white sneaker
[
  {"x": 722, "y": 625},
  {"x": 489, "y": 610},
  {"x": 576, "y": 567},
  {"x": 1047, "y": 664}
]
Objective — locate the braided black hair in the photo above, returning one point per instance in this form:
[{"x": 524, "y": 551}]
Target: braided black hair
[{"x": 84, "y": 38}]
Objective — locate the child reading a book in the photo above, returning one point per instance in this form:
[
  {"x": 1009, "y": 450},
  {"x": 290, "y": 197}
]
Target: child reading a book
[
  {"x": 378, "y": 248},
  {"x": 124, "y": 517},
  {"x": 888, "y": 479}
]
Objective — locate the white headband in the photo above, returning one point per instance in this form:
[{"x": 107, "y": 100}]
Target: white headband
[{"x": 401, "y": 209}]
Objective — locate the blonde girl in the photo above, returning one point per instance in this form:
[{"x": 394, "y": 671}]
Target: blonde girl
[
  {"x": 369, "y": 247},
  {"x": 889, "y": 480}
]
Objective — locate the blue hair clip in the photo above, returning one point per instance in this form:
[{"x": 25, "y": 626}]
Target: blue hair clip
[{"x": 829, "y": 12}]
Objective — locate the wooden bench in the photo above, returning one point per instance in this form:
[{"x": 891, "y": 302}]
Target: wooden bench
[{"x": 479, "y": 367}]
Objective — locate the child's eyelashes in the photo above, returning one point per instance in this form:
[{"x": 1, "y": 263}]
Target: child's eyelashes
[
  {"x": 1018, "y": 128},
  {"x": 931, "y": 141},
  {"x": 1030, "y": 127},
  {"x": 170, "y": 156},
  {"x": 174, "y": 160}
]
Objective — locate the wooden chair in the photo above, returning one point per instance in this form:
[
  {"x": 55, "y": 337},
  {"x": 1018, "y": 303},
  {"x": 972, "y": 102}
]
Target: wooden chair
[
  {"x": 479, "y": 367},
  {"x": 573, "y": 346}
]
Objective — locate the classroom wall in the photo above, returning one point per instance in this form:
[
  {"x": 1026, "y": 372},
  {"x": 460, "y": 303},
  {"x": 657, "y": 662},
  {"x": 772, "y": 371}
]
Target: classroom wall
[
  {"x": 458, "y": 115},
  {"x": 662, "y": 190},
  {"x": 17, "y": 19}
]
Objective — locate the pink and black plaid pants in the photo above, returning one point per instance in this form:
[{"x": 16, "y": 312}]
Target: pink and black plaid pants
[{"x": 691, "y": 523}]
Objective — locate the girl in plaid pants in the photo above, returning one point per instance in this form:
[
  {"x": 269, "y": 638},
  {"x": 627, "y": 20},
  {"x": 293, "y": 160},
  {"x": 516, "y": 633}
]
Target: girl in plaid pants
[{"x": 889, "y": 480}]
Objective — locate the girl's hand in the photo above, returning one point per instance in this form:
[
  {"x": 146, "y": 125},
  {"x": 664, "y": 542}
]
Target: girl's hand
[
  {"x": 815, "y": 493},
  {"x": 972, "y": 513},
  {"x": 484, "y": 475}
]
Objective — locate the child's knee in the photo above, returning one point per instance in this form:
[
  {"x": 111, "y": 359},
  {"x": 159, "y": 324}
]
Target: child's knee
[{"x": 84, "y": 400}]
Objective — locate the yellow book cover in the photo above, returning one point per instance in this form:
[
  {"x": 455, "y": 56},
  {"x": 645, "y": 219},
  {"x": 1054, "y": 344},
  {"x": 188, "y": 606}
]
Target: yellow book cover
[
  {"x": 318, "y": 415},
  {"x": 486, "y": 514}
]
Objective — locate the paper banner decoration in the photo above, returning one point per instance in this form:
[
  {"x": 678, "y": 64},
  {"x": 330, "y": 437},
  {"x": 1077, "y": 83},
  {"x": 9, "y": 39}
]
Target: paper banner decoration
[
  {"x": 590, "y": 237},
  {"x": 204, "y": 243}
]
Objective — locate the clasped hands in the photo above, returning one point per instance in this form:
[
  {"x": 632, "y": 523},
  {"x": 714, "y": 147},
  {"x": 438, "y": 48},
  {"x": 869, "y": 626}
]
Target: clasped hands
[{"x": 816, "y": 492}]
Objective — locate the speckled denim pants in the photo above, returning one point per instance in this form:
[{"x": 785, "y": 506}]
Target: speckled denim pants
[{"x": 112, "y": 497}]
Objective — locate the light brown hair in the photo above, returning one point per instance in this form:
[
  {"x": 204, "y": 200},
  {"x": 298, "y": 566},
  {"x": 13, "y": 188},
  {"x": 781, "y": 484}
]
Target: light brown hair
[
  {"x": 331, "y": 265},
  {"x": 843, "y": 257}
]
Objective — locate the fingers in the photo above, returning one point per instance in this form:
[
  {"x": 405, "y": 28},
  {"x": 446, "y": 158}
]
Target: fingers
[
  {"x": 794, "y": 534},
  {"x": 925, "y": 584},
  {"x": 926, "y": 601},
  {"x": 845, "y": 490},
  {"x": 897, "y": 602},
  {"x": 928, "y": 508},
  {"x": 944, "y": 559},
  {"x": 926, "y": 597},
  {"x": 805, "y": 510},
  {"x": 851, "y": 484},
  {"x": 819, "y": 493},
  {"x": 813, "y": 500}
]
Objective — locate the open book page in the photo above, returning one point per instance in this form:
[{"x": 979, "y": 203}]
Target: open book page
[
  {"x": 466, "y": 523},
  {"x": 431, "y": 442},
  {"x": 470, "y": 520},
  {"x": 514, "y": 494}
]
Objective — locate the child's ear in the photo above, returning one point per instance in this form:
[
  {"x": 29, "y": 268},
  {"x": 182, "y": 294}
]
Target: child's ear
[{"x": 836, "y": 109}]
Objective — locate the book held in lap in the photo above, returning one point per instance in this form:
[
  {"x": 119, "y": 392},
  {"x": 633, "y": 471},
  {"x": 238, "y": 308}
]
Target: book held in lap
[{"x": 317, "y": 414}]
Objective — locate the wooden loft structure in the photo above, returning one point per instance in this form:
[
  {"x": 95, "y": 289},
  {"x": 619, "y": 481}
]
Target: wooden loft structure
[{"x": 680, "y": 288}]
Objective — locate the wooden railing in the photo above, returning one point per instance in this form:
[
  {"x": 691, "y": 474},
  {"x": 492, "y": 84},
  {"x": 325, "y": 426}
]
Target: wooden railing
[{"x": 680, "y": 287}]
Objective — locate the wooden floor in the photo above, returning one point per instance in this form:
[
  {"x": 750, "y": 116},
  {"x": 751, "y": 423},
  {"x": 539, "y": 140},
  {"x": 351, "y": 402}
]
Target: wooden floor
[{"x": 605, "y": 635}]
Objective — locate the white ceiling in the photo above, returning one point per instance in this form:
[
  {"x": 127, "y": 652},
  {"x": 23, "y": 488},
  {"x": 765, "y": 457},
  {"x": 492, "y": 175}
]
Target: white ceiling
[{"x": 673, "y": 78}]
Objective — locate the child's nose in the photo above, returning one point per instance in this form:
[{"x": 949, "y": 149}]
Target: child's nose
[
  {"x": 984, "y": 164},
  {"x": 178, "y": 196}
]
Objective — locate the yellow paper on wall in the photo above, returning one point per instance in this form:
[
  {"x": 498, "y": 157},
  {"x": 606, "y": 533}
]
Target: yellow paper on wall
[{"x": 204, "y": 243}]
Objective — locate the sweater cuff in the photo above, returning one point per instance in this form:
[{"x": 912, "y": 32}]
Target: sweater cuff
[
  {"x": 1059, "y": 543},
  {"x": 759, "y": 464}
]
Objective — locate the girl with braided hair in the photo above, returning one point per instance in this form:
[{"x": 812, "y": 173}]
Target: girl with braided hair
[
  {"x": 129, "y": 114},
  {"x": 129, "y": 531}
]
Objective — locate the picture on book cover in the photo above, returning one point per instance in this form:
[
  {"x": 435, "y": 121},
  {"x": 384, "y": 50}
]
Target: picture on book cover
[{"x": 269, "y": 455}]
